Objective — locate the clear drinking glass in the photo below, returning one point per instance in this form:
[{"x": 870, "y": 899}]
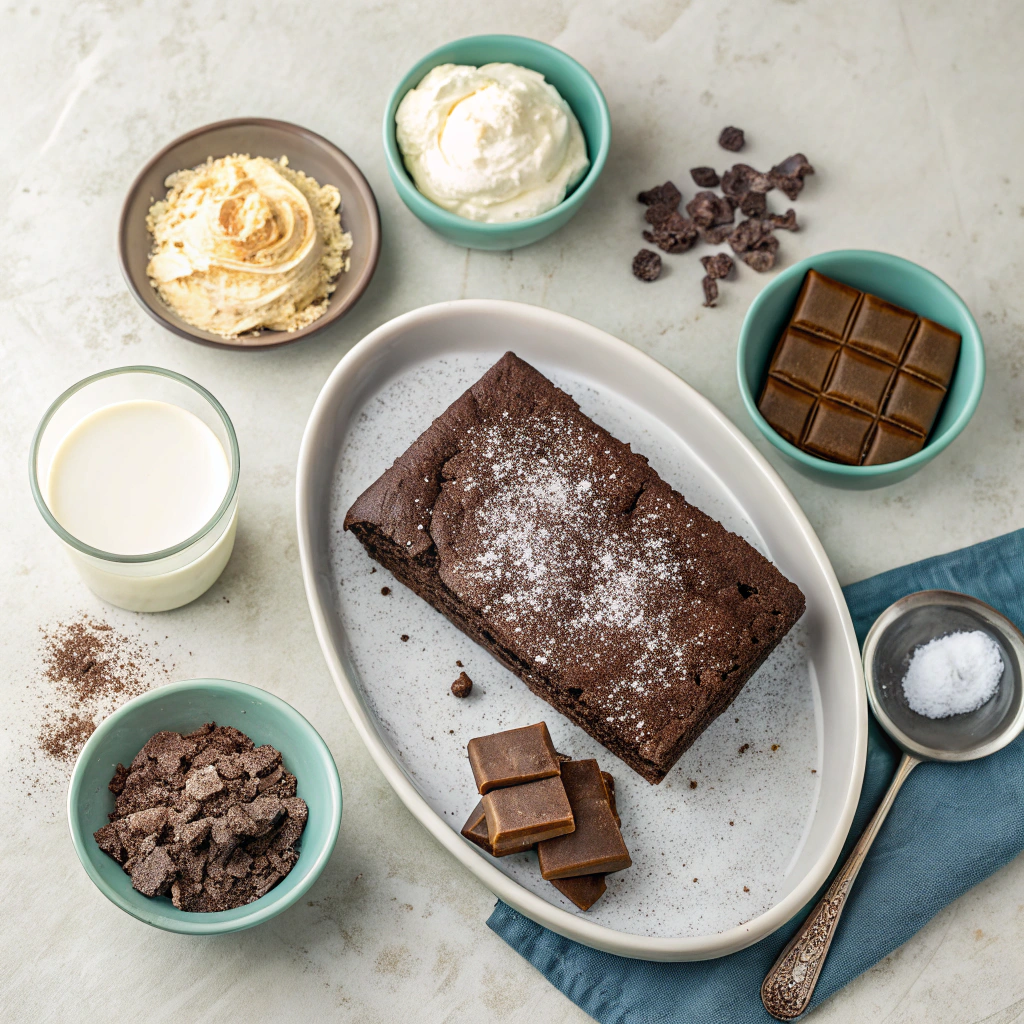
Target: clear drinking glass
[{"x": 160, "y": 580}]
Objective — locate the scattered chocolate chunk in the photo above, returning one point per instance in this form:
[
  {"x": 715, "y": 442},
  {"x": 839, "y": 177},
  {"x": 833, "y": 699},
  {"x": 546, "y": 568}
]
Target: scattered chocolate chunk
[
  {"x": 742, "y": 178},
  {"x": 716, "y": 235},
  {"x": 797, "y": 166},
  {"x": 763, "y": 257},
  {"x": 785, "y": 223},
  {"x": 658, "y": 213},
  {"x": 731, "y": 139},
  {"x": 675, "y": 234},
  {"x": 647, "y": 264},
  {"x": 463, "y": 686},
  {"x": 790, "y": 186},
  {"x": 667, "y": 194},
  {"x": 754, "y": 204},
  {"x": 718, "y": 266},
  {"x": 748, "y": 234},
  {"x": 188, "y": 822},
  {"x": 709, "y": 210},
  {"x": 710, "y": 286},
  {"x": 704, "y": 177},
  {"x": 385, "y": 591}
]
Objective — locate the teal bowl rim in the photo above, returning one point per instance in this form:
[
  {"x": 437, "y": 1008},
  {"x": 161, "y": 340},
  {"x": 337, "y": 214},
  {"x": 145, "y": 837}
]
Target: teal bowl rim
[
  {"x": 427, "y": 210},
  {"x": 216, "y": 922},
  {"x": 933, "y": 446}
]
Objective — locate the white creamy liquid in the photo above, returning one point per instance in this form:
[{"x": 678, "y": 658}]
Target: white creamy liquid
[{"x": 137, "y": 477}]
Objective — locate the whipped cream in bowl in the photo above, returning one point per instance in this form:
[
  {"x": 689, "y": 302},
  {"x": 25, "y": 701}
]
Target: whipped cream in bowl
[{"x": 494, "y": 144}]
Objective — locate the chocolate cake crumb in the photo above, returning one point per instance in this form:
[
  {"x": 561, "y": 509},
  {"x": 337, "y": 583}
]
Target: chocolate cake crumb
[
  {"x": 404, "y": 638},
  {"x": 785, "y": 223},
  {"x": 459, "y": 663},
  {"x": 463, "y": 686},
  {"x": 646, "y": 265},
  {"x": 385, "y": 591},
  {"x": 731, "y": 139},
  {"x": 675, "y": 234},
  {"x": 746, "y": 888},
  {"x": 710, "y": 286},
  {"x": 775, "y": 746},
  {"x": 718, "y": 266},
  {"x": 744, "y": 748},
  {"x": 704, "y": 177},
  {"x": 709, "y": 210},
  {"x": 693, "y": 783},
  {"x": 753, "y": 204},
  {"x": 209, "y": 819}
]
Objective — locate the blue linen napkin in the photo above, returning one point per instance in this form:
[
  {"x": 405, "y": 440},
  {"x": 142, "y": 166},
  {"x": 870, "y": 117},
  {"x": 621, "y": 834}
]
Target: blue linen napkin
[{"x": 939, "y": 840}]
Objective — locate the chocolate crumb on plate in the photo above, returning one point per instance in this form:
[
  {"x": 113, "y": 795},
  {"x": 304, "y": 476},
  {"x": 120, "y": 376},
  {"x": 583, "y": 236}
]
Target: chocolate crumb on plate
[
  {"x": 667, "y": 194},
  {"x": 731, "y": 139},
  {"x": 710, "y": 286},
  {"x": 762, "y": 258},
  {"x": 786, "y": 222},
  {"x": 404, "y": 638},
  {"x": 716, "y": 235},
  {"x": 754, "y": 204},
  {"x": 675, "y": 234},
  {"x": 647, "y": 265},
  {"x": 463, "y": 686},
  {"x": 385, "y": 591},
  {"x": 704, "y": 177},
  {"x": 709, "y": 210},
  {"x": 742, "y": 178}
]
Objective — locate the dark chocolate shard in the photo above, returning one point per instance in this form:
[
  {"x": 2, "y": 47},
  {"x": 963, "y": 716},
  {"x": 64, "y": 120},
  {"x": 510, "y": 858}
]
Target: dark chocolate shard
[{"x": 704, "y": 177}]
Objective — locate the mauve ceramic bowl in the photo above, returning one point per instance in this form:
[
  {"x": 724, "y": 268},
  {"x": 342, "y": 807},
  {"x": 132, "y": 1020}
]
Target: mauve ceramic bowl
[{"x": 306, "y": 151}]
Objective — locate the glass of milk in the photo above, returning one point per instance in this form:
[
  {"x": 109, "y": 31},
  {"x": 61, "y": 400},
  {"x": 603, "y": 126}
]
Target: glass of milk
[{"x": 136, "y": 471}]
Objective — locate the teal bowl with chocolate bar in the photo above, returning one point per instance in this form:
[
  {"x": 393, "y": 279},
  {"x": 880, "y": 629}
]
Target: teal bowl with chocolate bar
[
  {"x": 184, "y": 707},
  {"x": 897, "y": 281}
]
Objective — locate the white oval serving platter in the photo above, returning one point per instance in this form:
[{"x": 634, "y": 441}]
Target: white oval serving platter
[{"x": 747, "y": 826}]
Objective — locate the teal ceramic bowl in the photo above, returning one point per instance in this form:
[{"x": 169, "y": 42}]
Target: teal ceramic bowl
[
  {"x": 898, "y": 281},
  {"x": 579, "y": 90},
  {"x": 182, "y": 707}
]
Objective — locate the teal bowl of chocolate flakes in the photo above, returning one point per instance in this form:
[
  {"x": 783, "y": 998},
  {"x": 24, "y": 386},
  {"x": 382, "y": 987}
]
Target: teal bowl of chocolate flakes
[{"x": 211, "y": 817}]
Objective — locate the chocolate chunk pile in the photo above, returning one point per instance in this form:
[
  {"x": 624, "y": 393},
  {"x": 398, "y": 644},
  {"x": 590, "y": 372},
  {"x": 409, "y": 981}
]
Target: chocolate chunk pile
[
  {"x": 209, "y": 818},
  {"x": 711, "y": 217},
  {"x": 532, "y": 796}
]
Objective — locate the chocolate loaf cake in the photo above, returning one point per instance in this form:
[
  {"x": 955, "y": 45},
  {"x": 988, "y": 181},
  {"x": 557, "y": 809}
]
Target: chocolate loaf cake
[{"x": 561, "y": 551}]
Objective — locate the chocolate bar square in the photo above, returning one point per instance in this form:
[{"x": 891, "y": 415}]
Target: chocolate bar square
[
  {"x": 932, "y": 352},
  {"x": 890, "y": 443},
  {"x": 803, "y": 359},
  {"x": 512, "y": 757},
  {"x": 786, "y": 408},
  {"x": 583, "y": 890},
  {"x": 595, "y": 845},
  {"x": 913, "y": 403},
  {"x": 885, "y": 365},
  {"x": 859, "y": 380},
  {"x": 881, "y": 328},
  {"x": 838, "y": 432},
  {"x": 475, "y": 829},
  {"x": 519, "y": 816},
  {"x": 824, "y": 306}
]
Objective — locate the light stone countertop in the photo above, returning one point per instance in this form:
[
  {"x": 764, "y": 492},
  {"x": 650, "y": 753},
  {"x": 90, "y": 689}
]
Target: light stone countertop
[{"x": 911, "y": 113}]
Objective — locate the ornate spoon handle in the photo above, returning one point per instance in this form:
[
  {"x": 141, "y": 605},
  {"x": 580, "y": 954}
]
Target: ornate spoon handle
[{"x": 789, "y": 985}]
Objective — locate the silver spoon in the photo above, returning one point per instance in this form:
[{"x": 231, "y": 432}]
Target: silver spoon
[{"x": 898, "y": 631}]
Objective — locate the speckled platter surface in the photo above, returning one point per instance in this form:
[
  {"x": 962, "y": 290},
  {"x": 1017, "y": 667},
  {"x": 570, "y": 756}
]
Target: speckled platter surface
[{"x": 750, "y": 820}]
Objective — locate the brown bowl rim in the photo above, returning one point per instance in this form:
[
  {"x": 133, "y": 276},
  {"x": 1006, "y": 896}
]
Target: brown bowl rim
[{"x": 280, "y": 338}]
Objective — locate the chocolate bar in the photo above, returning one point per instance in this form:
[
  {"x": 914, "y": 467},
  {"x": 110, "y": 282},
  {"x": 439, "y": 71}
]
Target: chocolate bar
[
  {"x": 855, "y": 379},
  {"x": 595, "y": 845},
  {"x": 475, "y": 829},
  {"x": 519, "y": 816},
  {"x": 583, "y": 890},
  {"x": 512, "y": 757}
]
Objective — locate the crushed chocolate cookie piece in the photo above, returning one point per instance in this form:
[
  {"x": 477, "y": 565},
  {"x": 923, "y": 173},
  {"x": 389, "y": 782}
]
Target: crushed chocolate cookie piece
[
  {"x": 709, "y": 210},
  {"x": 795, "y": 166},
  {"x": 742, "y": 178},
  {"x": 675, "y": 234},
  {"x": 791, "y": 186},
  {"x": 716, "y": 235},
  {"x": 710, "y": 286},
  {"x": 188, "y": 822},
  {"x": 785, "y": 223},
  {"x": 718, "y": 266},
  {"x": 704, "y": 177},
  {"x": 646, "y": 265},
  {"x": 667, "y": 194},
  {"x": 754, "y": 204},
  {"x": 748, "y": 234},
  {"x": 762, "y": 258},
  {"x": 731, "y": 139},
  {"x": 658, "y": 213},
  {"x": 463, "y": 686}
]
